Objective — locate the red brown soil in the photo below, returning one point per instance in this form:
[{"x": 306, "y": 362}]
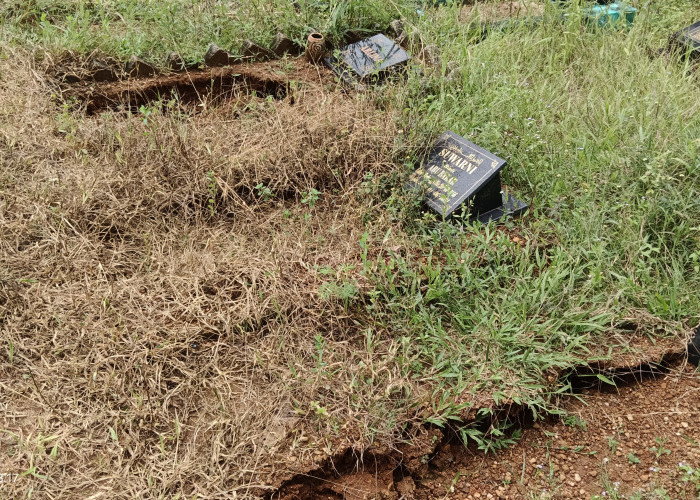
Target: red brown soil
[
  {"x": 596, "y": 446},
  {"x": 212, "y": 85}
]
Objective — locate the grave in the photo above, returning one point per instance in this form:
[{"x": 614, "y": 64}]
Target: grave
[
  {"x": 371, "y": 57},
  {"x": 689, "y": 39},
  {"x": 458, "y": 172}
]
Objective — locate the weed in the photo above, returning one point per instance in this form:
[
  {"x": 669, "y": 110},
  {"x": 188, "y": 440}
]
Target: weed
[
  {"x": 659, "y": 449},
  {"x": 497, "y": 437},
  {"x": 311, "y": 197},
  {"x": 690, "y": 475},
  {"x": 263, "y": 192},
  {"x": 574, "y": 421},
  {"x": 434, "y": 321}
]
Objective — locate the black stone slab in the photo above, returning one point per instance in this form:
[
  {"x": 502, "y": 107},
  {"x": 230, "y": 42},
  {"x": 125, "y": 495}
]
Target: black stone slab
[
  {"x": 458, "y": 172},
  {"x": 369, "y": 57},
  {"x": 689, "y": 38},
  {"x": 694, "y": 348}
]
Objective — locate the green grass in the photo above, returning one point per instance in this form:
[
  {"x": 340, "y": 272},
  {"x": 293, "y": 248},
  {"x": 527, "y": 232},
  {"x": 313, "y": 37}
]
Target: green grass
[
  {"x": 152, "y": 29},
  {"x": 603, "y": 140}
]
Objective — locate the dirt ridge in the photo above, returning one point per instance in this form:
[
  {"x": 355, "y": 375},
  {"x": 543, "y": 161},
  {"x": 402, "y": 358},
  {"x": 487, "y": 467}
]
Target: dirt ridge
[{"x": 380, "y": 470}]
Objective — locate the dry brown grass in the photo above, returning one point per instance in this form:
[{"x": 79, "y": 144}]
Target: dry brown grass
[{"x": 162, "y": 344}]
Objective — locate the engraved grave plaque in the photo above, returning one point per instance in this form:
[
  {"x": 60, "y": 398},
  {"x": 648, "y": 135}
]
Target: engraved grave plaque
[
  {"x": 371, "y": 56},
  {"x": 458, "y": 172},
  {"x": 689, "y": 39}
]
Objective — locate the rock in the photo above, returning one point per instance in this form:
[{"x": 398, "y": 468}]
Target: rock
[
  {"x": 283, "y": 44},
  {"x": 396, "y": 27},
  {"x": 252, "y": 50},
  {"x": 577, "y": 478},
  {"x": 430, "y": 54},
  {"x": 216, "y": 56},
  {"x": 101, "y": 71},
  {"x": 138, "y": 68},
  {"x": 176, "y": 62}
]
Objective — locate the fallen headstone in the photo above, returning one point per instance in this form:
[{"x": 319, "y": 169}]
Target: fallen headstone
[
  {"x": 371, "y": 57},
  {"x": 460, "y": 174},
  {"x": 688, "y": 39}
]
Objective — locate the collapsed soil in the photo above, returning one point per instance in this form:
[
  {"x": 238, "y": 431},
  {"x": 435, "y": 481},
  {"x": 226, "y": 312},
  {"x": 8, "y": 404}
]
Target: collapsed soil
[
  {"x": 203, "y": 87},
  {"x": 634, "y": 439}
]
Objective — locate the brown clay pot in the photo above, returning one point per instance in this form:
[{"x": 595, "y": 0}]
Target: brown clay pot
[{"x": 315, "y": 48}]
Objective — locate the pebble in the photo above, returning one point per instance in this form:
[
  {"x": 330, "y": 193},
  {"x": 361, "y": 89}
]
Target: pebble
[
  {"x": 577, "y": 478},
  {"x": 684, "y": 424},
  {"x": 630, "y": 417}
]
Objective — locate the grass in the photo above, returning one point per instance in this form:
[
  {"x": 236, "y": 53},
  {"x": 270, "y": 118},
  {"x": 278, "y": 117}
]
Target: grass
[
  {"x": 190, "y": 301},
  {"x": 152, "y": 30}
]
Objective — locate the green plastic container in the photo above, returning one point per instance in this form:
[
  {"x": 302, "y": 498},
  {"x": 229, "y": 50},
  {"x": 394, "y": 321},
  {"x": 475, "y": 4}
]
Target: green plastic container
[{"x": 610, "y": 15}]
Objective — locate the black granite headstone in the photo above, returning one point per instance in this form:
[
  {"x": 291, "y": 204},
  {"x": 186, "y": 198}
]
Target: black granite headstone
[
  {"x": 689, "y": 38},
  {"x": 458, "y": 172},
  {"x": 368, "y": 57}
]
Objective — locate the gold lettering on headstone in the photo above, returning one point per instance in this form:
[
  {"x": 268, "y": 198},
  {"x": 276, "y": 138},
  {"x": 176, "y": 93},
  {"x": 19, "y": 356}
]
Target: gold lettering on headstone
[
  {"x": 371, "y": 53},
  {"x": 468, "y": 164}
]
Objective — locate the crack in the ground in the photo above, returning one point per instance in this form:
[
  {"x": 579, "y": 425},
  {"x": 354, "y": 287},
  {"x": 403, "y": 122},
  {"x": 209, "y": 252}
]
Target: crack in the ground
[{"x": 374, "y": 473}]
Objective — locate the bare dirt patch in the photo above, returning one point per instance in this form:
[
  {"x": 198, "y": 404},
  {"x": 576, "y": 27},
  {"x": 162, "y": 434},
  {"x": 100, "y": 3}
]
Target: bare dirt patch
[{"x": 204, "y": 87}]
